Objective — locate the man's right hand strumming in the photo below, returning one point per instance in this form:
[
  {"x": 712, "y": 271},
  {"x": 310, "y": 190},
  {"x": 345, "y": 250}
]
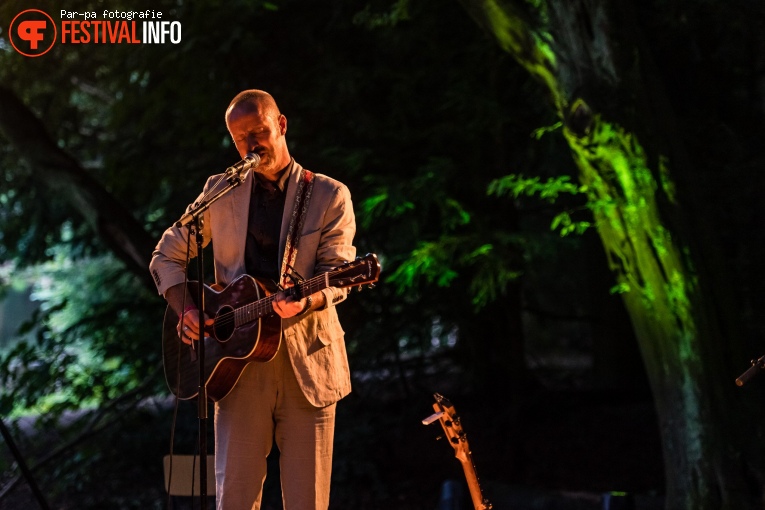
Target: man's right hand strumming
[{"x": 188, "y": 322}]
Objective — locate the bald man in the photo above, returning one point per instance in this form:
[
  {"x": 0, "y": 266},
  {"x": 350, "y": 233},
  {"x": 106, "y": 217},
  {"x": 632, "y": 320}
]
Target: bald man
[{"x": 291, "y": 398}]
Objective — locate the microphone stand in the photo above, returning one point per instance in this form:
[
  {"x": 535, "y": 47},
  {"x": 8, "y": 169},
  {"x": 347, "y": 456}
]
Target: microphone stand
[{"x": 195, "y": 219}]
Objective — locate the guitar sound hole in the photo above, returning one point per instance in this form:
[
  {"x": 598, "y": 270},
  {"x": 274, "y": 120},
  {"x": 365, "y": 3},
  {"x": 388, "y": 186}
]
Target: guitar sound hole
[{"x": 224, "y": 324}]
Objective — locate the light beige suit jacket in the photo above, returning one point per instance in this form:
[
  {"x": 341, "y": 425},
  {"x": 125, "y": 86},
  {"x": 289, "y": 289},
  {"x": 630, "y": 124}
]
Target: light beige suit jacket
[{"x": 315, "y": 342}]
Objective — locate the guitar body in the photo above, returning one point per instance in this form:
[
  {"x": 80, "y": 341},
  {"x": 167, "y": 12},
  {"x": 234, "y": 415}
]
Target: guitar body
[
  {"x": 245, "y": 328},
  {"x": 228, "y": 348}
]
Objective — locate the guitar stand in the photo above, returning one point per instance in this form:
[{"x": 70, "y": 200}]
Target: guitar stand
[{"x": 23, "y": 466}]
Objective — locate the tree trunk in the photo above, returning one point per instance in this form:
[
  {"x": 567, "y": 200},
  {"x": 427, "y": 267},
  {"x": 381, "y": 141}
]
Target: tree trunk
[
  {"x": 65, "y": 177},
  {"x": 619, "y": 126}
]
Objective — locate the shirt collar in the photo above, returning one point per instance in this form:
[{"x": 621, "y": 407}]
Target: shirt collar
[{"x": 283, "y": 177}]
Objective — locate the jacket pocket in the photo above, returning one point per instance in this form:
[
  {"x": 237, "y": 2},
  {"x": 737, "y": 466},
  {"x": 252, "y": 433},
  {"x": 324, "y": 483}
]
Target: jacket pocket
[{"x": 329, "y": 331}]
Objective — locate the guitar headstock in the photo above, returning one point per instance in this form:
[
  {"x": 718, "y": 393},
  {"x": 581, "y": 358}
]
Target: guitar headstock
[
  {"x": 450, "y": 422},
  {"x": 362, "y": 271}
]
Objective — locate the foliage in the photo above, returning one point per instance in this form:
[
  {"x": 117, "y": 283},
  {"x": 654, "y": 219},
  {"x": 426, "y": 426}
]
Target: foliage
[
  {"x": 85, "y": 352},
  {"x": 518, "y": 185},
  {"x": 550, "y": 190},
  {"x": 398, "y": 12}
]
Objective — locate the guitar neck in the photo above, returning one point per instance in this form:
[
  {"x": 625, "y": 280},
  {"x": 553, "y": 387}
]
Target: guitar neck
[
  {"x": 264, "y": 306},
  {"x": 476, "y": 495},
  {"x": 451, "y": 423}
]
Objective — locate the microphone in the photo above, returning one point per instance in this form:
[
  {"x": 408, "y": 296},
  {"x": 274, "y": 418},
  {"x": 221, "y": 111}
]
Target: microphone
[
  {"x": 251, "y": 160},
  {"x": 233, "y": 176}
]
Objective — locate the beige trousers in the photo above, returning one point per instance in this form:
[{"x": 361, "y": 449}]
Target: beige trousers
[{"x": 268, "y": 404}]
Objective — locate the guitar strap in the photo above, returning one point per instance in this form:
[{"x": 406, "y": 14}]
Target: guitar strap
[{"x": 299, "y": 211}]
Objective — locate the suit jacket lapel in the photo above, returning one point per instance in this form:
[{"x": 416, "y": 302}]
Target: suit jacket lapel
[{"x": 240, "y": 214}]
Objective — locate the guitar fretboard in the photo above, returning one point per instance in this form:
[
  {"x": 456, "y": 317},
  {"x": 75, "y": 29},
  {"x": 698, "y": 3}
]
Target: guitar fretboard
[{"x": 264, "y": 306}]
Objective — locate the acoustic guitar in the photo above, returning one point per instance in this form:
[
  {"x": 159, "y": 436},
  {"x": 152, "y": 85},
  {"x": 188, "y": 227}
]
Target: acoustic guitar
[{"x": 245, "y": 328}]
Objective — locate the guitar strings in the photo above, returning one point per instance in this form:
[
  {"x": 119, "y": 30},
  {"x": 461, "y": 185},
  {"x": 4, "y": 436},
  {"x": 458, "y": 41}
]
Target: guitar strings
[{"x": 263, "y": 306}]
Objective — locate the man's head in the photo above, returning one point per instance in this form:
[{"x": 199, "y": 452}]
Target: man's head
[{"x": 256, "y": 125}]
